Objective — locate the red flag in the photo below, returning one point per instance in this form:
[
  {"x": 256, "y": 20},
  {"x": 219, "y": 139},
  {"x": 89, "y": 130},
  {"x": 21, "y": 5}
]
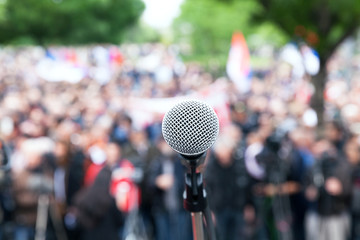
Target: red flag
[{"x": 238, "y": 64}]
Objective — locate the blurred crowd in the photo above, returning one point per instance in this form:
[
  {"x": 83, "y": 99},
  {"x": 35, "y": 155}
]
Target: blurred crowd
[{"x": 80, "y": 163}]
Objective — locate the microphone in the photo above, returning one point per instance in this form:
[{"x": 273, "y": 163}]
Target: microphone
[{"x": 190, "y": 128}]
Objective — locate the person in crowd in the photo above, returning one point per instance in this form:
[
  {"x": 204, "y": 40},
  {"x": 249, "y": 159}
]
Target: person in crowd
[
  {"x": 68, "y": 181},
  {"x": 33, "y": 189},
  {"x": 122, "y": 129},
  {"x": 142, "y": 152},
  {"x": 336, "y": 134},
  {"x": 330, "y": 187},
  {"x": 256, "y": 172},
  {"x": 270, "y": 161},
  {"x": 168, "y": 184},
  {"x": 227, "y": 184},
  {"x": 302, "y": 160},
  {"x": 95, "y": 207},
  {"x": 352, "y": 154}
]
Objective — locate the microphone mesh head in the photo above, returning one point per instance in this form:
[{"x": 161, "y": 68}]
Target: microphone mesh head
[{"x": 190, "y": 127}]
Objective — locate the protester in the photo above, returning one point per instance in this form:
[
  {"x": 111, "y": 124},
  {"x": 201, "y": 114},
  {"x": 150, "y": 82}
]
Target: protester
[
  {"x": 352, "y": 153},
  {"x": 331, "y": 188},
  {"x": 167, "y": 181},
  {"x": 227, "y": 185},
  {"x": 33, "y": 188},
  {"x": 95, "y": 208}
]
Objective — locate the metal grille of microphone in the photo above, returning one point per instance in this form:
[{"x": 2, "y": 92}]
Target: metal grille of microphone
[{"x": 190, "y": 127}]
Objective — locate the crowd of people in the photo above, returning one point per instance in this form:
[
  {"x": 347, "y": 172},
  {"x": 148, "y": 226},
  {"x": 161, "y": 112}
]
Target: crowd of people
[{"x": 80, "y": 129}]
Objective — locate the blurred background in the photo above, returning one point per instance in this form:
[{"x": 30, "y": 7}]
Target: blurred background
[{"x": 84, "y": 86}]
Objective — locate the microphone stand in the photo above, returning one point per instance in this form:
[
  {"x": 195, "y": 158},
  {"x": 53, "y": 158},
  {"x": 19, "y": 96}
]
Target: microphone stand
[{"x": 195, "y": 200}]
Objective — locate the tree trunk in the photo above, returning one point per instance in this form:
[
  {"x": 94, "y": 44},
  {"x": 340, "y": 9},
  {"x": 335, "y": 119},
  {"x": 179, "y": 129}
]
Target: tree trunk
[{"x": 317, "y": 101}]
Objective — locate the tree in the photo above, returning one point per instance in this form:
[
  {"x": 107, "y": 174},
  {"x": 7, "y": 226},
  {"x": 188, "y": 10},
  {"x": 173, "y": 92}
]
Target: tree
[
  {"x": 67, "y": 21},
  {"x": 207, "y": 26},
  {"x": 323, "y": 24}
]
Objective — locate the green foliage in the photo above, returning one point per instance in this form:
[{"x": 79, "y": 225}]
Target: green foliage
[
  {"x": 266, "y": 33},
  {"x": 207, "y": 26},
  {"x": 2, "y": 9},
  {"x": 141, "y": 33},
  {"x": 68, "y": 21},
  {"x": 211, "y": 23}
]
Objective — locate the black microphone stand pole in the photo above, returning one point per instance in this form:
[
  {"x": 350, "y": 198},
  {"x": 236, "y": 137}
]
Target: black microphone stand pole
[{"x": 195, "y": 200}]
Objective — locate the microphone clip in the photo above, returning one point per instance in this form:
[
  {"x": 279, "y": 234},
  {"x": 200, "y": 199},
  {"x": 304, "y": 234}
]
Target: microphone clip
[{"x": 194, "y": 194}]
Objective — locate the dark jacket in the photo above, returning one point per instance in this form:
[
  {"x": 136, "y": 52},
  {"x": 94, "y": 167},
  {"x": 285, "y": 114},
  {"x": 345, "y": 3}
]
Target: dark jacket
[
  {"x": 158, "y": 195},
  {"x": 96, "y": 209},
  {"x": 355, "y": 194},
  {"x": 332, "y": 166},
  {"x": 75, "y": 175},
  {"x": 227, "y": 187}
]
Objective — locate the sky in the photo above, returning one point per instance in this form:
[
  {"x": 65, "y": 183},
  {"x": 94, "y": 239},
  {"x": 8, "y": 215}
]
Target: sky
[{"x": 160, "y": 13}]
